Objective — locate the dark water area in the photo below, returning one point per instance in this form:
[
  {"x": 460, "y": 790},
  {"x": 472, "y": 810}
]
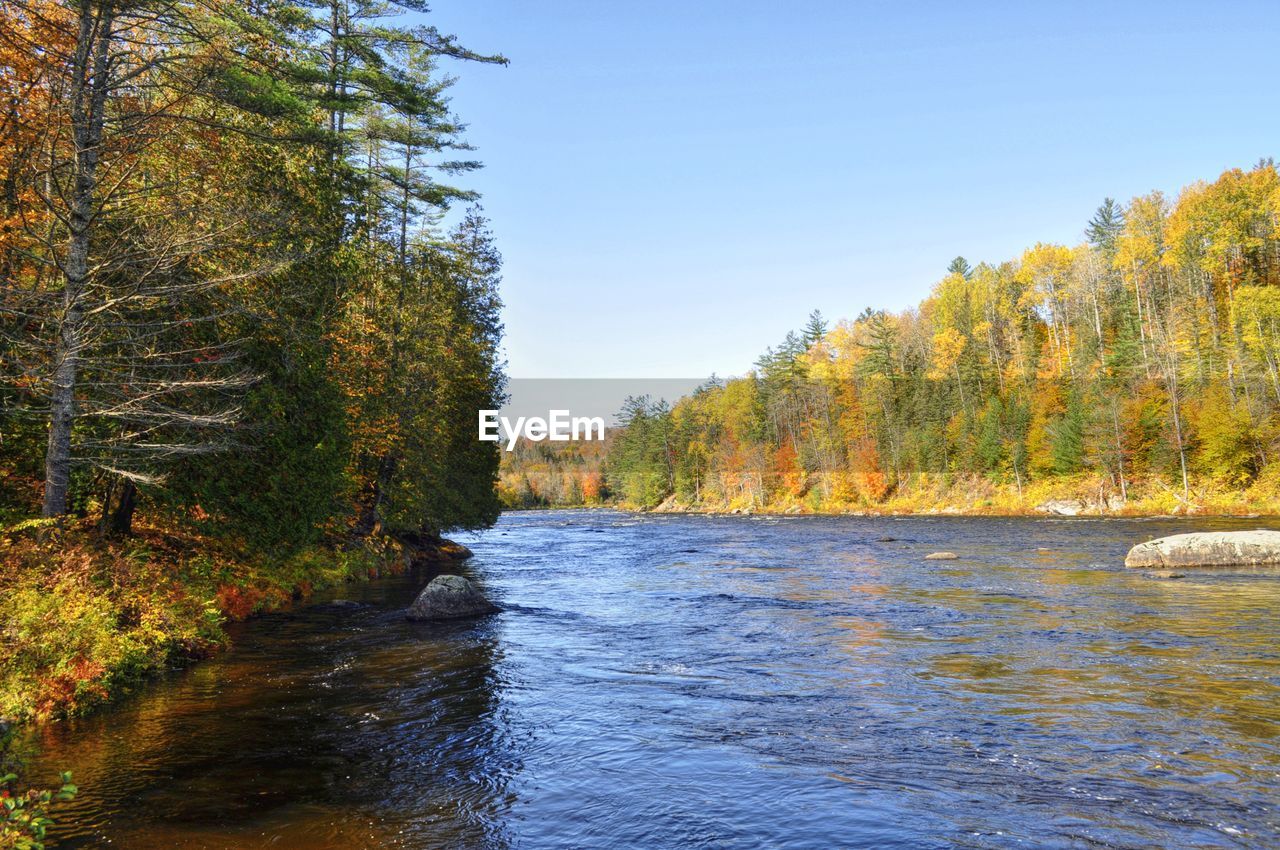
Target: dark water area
[{"x": 685, "y": 681}]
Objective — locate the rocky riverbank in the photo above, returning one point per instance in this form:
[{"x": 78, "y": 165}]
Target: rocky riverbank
[{"x": 959, "y": 495}]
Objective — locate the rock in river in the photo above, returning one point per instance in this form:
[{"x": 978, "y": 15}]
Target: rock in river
[
  {"x": 448, "y": 598},
  {"x": 421, "y": 549},
  {"x": 941, "y": 556},
  {"x": 1062, "y": 507},
  {"x": 1256, "y": 548}
]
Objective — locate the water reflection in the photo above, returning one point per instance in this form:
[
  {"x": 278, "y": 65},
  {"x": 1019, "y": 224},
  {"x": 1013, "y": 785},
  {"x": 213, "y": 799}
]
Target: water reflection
[
  {"x": 710, "y": 682},
  {"x": 332, "y": 726}
]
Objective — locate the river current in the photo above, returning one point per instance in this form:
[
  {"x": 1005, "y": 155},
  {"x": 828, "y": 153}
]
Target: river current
[{"x": 716, "y": 682}]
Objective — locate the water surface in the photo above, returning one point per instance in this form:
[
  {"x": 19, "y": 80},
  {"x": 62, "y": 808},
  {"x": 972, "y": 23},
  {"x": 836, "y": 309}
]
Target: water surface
[{"x": 679, "y": 681}]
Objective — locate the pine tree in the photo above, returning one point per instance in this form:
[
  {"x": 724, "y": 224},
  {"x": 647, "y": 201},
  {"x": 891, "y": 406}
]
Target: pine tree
[
  {"x": 960, "y": 266},
  {"x": 814, "y": 329},
  {"x": 1105, "y": 227}
]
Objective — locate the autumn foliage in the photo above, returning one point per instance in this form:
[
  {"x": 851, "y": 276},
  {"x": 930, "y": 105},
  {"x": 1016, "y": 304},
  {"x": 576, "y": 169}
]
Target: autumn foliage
[
  {"x": 1138, "y": 370},
  {"x": 247, "y": 314}
]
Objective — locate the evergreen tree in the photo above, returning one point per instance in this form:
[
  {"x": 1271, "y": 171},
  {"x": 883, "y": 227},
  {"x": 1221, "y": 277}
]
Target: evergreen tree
[
  {"x": 1067, "y": 436},
  {"x": 814, "y": 329},
  {"x": 1105, "y": 227},
  {"x": 960, "y": 266}
]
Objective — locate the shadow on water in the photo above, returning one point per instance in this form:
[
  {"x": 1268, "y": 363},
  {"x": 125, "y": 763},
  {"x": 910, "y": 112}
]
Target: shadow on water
[{"x": 663, "y": 681}]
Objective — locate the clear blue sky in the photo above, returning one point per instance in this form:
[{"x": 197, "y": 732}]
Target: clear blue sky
[{"x": 674, "y": 185}]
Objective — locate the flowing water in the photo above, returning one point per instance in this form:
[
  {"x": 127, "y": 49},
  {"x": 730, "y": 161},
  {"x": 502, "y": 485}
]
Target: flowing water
[{"x": 683, "y": 681}]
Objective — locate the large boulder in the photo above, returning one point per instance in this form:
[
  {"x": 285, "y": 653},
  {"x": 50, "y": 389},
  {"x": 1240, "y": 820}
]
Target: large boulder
[
  {"x": 1062, "y": 507},
  {"x": 1098, "y": 504},
  {"x": 449, "y": 550},
  {"x": 449, "y": 598},
  {"x": 1258, "y": 548}
]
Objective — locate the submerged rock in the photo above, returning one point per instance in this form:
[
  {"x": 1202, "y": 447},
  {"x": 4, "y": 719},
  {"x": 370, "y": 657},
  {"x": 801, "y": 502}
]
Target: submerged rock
[
  {"x": 1258, "y": 548},
  {"x": 941, "y": 556},
  {"x": 340, "y": 605},
  {"x": 449, "y": 598}
]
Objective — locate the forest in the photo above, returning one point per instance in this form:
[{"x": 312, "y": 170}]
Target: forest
[
  {"x": 248, "y": 309},
  {"x": 1135, "y": 372}
]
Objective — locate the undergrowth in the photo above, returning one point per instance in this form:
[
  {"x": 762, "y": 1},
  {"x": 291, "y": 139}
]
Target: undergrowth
[{"x": 84, "y": 618}]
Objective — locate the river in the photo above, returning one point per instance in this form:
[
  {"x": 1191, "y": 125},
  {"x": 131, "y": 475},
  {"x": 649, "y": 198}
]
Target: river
[{"x": 693, "y": 681}]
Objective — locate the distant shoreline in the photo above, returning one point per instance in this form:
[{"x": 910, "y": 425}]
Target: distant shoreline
[{"x": 935, "y": 514}]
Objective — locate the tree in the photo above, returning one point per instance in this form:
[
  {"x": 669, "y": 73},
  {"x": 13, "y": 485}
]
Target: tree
[
  {"x": 814, "y": 329},
  {"x": 1104, "y": 229},
  {"x": 959, "y": 266},
  {"x": 218, "y": 231},
  {"x": 138, "y": 224},
  {"x": 1067, "y": 434}
]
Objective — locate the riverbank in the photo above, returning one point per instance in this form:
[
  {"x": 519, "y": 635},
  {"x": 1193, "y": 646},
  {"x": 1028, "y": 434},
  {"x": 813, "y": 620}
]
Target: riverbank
[
  {"x": 85, "y": 618},
  {"x": 963, "y": 495}
]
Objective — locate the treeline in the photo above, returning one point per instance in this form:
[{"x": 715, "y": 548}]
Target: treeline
[
  {"x": 543, "y": 475},
  {"x": 1139, "y": 369},
  {"x": 226, "y": 297}
]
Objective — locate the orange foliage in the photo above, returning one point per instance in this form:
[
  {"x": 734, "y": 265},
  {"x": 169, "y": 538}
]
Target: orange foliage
[
  {"x": 786, "y": 469},
  {"x": 872, "y": 483},
  {"x": 240, "y": 602},
  {"x": 80, "y": 684},
  {"x": 592, "y": 487},
  {"x": 29, "y": 123}
]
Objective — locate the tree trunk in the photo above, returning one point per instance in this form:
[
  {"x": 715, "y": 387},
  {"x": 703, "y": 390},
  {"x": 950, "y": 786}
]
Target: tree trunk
[
  {"x": 1115, "y": 422},
  {"x": 89, "y": 86},
  {"x": 57, "y": 460},
  {"x": 1175, "y": 401},
  {"x": 121, "y": 519}
]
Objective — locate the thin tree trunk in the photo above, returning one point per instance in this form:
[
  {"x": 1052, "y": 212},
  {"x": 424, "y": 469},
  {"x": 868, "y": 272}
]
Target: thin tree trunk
[
  {"x": 1115, "y": 422},
  {"x": 1142, "y": 325},
  {"x": 1175, "y": 402}
]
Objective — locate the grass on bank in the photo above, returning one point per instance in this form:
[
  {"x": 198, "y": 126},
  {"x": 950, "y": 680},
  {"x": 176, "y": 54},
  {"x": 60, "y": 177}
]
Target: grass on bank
[{"x": 84, "y": 618}]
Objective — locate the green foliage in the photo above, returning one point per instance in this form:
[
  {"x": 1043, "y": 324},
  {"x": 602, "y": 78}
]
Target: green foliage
[
  {"x": 288, "y": 479},
  {"x": 25, "y": 816},
  {"x": 73, "y": 645},
  {"x": 83, "y": 620},
  {"x": 990, "y": 447},
  {"x": 284, "y": 346},
  {"x": 25, "y": 813},
  {"x": 959, "y": 266},
  {"x": 1105, "y": 227},
  {"x": 1225, "y": 429},
  {"x": 640, "y": 461},
  {"x": 1067, "y": 438}
]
